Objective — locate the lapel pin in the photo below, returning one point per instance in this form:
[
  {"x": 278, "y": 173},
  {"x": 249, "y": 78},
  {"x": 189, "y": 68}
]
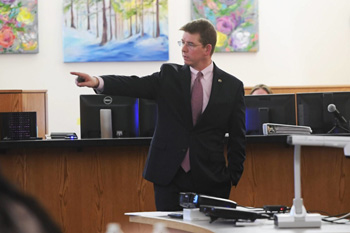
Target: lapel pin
[{"x": 220, "y": 80}]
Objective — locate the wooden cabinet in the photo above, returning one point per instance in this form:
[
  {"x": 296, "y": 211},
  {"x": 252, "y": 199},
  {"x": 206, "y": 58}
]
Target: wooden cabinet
[{"x": 27, "y": 101}]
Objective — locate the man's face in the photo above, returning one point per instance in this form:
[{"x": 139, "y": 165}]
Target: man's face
[{"x": 193, "y": 52}]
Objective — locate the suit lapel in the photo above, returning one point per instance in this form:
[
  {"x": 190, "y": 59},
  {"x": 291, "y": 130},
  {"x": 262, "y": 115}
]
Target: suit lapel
[
  {"x": 216, "y": 89},
  {"x": 185, "y": 77}
]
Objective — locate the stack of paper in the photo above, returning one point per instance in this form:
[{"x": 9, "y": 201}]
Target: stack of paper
[{"x": 272, "y": 128}]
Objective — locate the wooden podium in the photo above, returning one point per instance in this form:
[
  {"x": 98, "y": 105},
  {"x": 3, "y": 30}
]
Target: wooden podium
[{"x": 27, "y": 101}]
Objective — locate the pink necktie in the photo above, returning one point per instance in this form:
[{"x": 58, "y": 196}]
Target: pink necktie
[{"x": 197, "y": 104}]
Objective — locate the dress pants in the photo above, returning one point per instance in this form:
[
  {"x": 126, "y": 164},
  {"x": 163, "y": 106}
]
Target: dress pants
[{"x": 167, "y": 196}]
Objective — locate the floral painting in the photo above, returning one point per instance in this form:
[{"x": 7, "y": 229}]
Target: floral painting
[
  {"x": 18, "y": 26},
  {"x": 115, "y": 30},
  {"x": 236, "y": 23}
]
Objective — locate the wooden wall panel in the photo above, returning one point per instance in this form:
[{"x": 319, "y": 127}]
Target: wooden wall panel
[
  {"x": 37, "y": 102},
  {"x": 301, "y": 89},
  {"x": 84, "y": 189},
  {"x": 325, "y": 179},
  {"x": 268, "y": 176},
  {"x": 10, "y": 102}
]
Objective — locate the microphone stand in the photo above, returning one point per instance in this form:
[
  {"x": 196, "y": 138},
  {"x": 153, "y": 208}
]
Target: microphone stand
[{"x": 338, "y": 125}]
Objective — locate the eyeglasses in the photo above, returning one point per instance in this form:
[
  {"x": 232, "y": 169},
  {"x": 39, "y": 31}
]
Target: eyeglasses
[{"x": 189, "y": 45}]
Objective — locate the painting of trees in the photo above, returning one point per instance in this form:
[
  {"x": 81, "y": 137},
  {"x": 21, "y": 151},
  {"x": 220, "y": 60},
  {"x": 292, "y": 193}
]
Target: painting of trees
[{"x": 114, "y": 23}]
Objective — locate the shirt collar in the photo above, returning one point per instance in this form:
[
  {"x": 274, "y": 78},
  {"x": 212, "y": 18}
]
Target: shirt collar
[{"x": 205, "y": 71}]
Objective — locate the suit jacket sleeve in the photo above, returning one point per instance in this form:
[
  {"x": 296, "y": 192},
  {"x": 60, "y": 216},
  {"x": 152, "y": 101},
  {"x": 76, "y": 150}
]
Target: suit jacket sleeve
[{"x": 132, "y": 86}]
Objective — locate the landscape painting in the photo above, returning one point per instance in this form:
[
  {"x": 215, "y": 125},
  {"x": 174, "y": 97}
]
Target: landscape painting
[
  {"x": 236, "y": 23},
  {"x": 18, "y": 26},
  {"x": 115, "y": 30}
]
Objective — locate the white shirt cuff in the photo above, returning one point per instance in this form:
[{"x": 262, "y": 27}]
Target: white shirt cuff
[{"x": 101, "y": 85}]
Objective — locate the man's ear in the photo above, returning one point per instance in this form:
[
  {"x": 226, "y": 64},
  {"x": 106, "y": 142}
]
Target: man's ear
[{"x": 208, "y": 48}]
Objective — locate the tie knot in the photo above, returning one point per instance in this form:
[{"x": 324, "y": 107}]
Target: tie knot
[{"x": 199, "y": 75}]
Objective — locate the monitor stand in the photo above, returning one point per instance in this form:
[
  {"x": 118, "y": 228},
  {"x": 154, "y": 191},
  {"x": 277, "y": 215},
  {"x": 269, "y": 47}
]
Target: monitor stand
[
  {"x": 264, "y": 118},
  {"x": 338, "y": 126},
  {"x": 297, "y": 217}
]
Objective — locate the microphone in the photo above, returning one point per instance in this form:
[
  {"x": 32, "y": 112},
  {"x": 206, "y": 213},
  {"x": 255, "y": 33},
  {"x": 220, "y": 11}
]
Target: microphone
[{"x": 333, "y": 109}]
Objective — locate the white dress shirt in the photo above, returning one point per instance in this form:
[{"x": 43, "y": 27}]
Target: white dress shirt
[{"x": 206, "y": 81}]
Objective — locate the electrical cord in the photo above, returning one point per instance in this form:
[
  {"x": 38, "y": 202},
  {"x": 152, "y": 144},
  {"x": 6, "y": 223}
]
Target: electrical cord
[
  {"x": 338, "y": 219},
  {"x": 342, "y": 218},
  {"x": 268, "y": 211}
]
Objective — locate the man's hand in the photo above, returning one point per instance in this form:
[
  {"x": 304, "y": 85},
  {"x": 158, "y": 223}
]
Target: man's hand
[{"x": 85, "y": 80}]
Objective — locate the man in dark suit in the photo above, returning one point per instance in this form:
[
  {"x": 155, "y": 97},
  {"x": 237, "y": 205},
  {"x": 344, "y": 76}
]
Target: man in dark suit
[{"x": 187, "y": 154}]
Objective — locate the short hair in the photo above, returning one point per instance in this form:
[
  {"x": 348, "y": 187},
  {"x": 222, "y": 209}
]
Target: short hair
[
  {"x": 205, "y": 29},
  {"x": 261, "y": 86}
]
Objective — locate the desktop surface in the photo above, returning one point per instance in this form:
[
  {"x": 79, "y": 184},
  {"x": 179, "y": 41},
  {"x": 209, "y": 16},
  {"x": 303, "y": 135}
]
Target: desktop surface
[
  {"x": 225, "y": 226},
  {"x": 134, "y": 141}
]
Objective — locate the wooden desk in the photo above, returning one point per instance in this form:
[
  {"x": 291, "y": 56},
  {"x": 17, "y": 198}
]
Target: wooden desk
[{"x": 85, "y": 184}]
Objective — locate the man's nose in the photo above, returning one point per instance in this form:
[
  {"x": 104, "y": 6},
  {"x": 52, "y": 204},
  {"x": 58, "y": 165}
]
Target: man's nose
[{"x": 184, "y": 48}]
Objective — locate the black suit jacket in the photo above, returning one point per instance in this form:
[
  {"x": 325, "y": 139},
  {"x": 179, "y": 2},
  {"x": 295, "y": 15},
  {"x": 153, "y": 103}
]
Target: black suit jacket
[{"x": 175, "y": 132}]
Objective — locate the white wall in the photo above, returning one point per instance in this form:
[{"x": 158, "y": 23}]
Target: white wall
[{"x": 302, "y": 42}]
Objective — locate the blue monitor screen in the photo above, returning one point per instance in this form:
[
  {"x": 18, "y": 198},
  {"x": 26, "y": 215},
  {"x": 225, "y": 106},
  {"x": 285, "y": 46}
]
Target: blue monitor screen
[{"x": 148, "y": 111}]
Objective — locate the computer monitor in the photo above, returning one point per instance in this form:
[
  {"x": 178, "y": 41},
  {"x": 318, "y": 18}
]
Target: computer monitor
[
  {"x": 273, "y": 108},
  {"x": 124, "y": 115},
  {"x": 18, "y": 125},
  {"x": 313, "y": 111},
  {"x": 148, "y": 111}
]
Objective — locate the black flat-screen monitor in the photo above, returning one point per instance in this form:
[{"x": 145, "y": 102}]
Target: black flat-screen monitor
[
  {"x": 18, "y": 125},
  {"x": 273, "y": 108},
  {"x": 313, "y": 111},
  {"x": 124, "y": 115},
  {"x": 148, "y": 111}
]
